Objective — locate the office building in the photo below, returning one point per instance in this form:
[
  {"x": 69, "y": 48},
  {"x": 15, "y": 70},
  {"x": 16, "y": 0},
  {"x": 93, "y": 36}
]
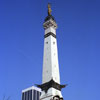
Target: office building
[{"x": 32, "y": 93}]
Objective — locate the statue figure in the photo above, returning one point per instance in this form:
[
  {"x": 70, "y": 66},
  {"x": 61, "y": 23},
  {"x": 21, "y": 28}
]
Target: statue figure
[{"x": 49, "y": 9}]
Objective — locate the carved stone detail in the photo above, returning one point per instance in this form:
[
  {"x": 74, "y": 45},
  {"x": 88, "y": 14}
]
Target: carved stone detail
[
  {"x": 50, "y": 23},
  {"x": 50, "y": 84}
]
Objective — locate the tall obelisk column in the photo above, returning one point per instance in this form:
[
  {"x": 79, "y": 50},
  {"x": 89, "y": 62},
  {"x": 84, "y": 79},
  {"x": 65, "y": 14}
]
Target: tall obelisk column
[{"x": 51, "y": 88}]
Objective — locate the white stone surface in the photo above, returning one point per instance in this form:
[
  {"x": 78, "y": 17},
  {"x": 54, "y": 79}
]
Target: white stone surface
[
  {"x": 50, "y": 62},
  {"x": 50, "y": 29},
  {"x": 51, "y": 93}
]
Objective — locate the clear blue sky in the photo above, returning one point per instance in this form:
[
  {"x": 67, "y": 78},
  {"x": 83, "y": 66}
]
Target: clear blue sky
[{"x": 22, "y": 40}]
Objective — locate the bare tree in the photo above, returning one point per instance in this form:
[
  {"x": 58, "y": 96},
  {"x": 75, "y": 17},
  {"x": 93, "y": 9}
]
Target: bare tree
[{"x": 4, "y": 98}]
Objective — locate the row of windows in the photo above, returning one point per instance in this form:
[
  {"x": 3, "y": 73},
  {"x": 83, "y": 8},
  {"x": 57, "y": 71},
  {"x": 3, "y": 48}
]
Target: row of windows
[
  {"x": 31, "y": 95},
  {"x": 47, "y": 42}
]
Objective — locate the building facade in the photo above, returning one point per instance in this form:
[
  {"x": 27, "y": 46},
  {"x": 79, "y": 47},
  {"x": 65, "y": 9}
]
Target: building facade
[{"x": 32, "y": 93}]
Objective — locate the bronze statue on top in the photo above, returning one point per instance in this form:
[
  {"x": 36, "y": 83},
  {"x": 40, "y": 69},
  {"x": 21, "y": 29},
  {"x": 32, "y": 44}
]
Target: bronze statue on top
[
  {"x": 49, "y": 9},
  {"x": 49, "y": 13}
]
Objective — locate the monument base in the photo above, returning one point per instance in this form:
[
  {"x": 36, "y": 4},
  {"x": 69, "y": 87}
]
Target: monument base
[{"x": 52, "y": 94}]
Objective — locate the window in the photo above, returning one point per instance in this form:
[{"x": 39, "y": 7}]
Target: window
[
  {"x": 30, "y": 92},
  {"x": 40, "y": 93},
  {"x": 23, "y": 97},
  {"x": 27, "y": 95},
  {"x": 34, "y": 98},
  {"x": 37, "y": 95},
  {"x": 46, "y": 42},
  {"x": 53, "y": 42}
]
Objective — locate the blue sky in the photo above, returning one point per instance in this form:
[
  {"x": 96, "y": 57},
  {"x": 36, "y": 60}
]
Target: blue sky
[{"x": 22, "y": 41}]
